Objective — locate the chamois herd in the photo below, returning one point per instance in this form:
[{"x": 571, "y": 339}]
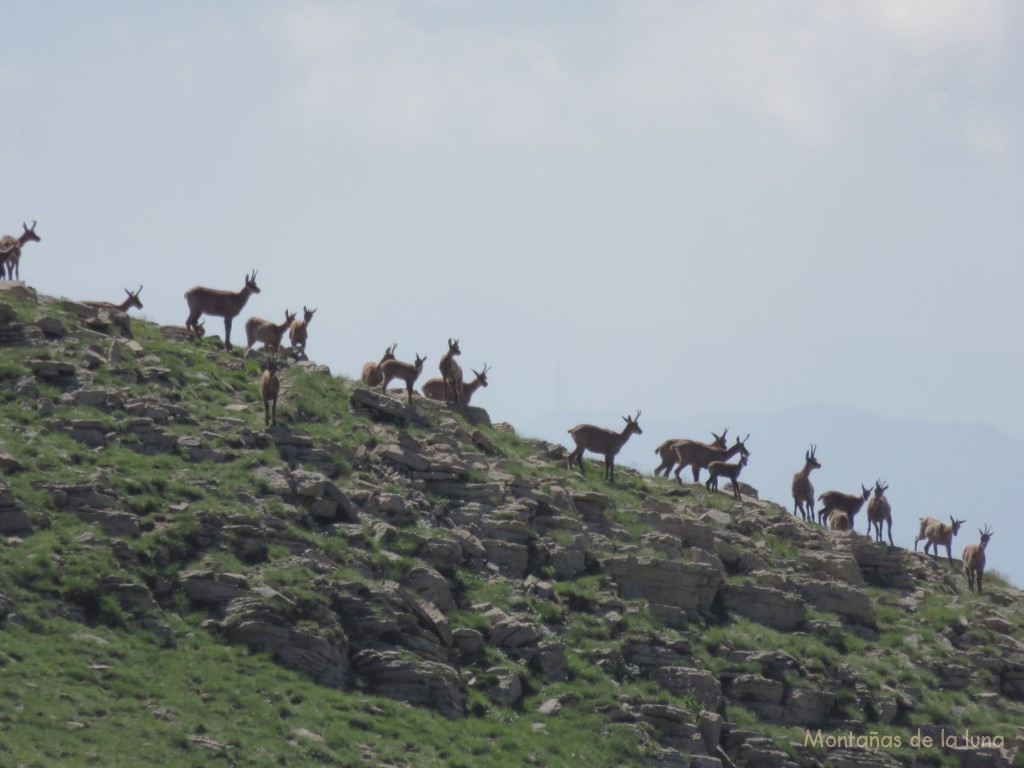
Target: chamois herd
[{"x": 838, "y": 510}]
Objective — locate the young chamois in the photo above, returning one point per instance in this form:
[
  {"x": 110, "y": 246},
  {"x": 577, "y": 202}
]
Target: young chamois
[
  {"x": 10, "y": 251},
  {"x": 270, "y": 388},
  {"x": 407, "y": 372},
  {"x": 271, "y": 334},
  {"x": 699, "y": 455},
  {"x": 937, "y": 532},
  {"x": 668, "y": 455},
  {"x": 371, "y": 370},
  {"x": 604, "y": 441},
  {"x": 210, "y": 301},
  {"x": 838, "y": 520},
  {"x": 850, "y": 503},
  {"x": 451, "y": 373},
  {"x": 195, "y": 333},
  {"x": 434, "y": 388},
  {"x": 124, "y": 306},
  {"x": 974, "y": 559},
  {"x": 717, "y": 469},
  {"x": 803, "y": 489},
  {"x": 299, "y": 331},
  {"x": 879, "y": 511}
]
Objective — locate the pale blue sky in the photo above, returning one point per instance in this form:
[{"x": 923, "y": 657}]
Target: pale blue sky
[{"x": 688, "y": 208}]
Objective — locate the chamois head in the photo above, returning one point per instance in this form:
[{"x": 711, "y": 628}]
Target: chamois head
[
  {"x": 880, "y": 488},
  {"x": 199, "y": 329},
  {"x": 453, "y": 349},
  {"x": 985, "y": 535},
  {"x": 743, "y": 445},
  {"x": 250, "y": 283},
  {"x": 419, "y": 363},
  {"x": 633, "y": 424},
  {"x": 307, "y": 314},
  {"x": 29, "y": 235},
  {"x": 955, "y": 524},
  {"x": 810, "y": 458},
  {"x": 481, "y": 376},
  {"x": 720, "y": 439},
  {"x": 133, "y": 298}
]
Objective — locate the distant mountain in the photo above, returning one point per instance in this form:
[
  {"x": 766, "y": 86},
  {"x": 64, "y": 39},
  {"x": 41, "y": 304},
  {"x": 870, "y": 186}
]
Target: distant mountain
[{"x": 937, "y": 469}]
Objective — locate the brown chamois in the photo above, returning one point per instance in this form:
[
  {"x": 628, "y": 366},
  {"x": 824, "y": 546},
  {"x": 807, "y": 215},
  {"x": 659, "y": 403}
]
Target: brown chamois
[
  {"x": 451, "y": 373},
  {"x": 803, "y": 489},
  {"x": 195, "y": 333},
  {"x": 271, "y": 334},
  {"x": 698, "y": 455},
  {"x": 371, "y": 370},
  {"x": 880, "y": 511},
  {"x": 270, "y": 388},
  {"x": 10, "y": 251},
  {"x": 717, "y": 469},
  {"x": 124, "y": 306},
  {"x": 850, "y": 503},
  {"x": 210, "y": 301},
  {"x": 668, "y": 455},
  {"x": 838, "y": 520},
  {"x": 434, "y": 388},
  {"x": 974, "y": 559},
  {"x": 604, "y": 441},
  {"x": 396, "y": 369},
  {"x": 299, "y": 331},
  {"x": 937, "y": 532}
]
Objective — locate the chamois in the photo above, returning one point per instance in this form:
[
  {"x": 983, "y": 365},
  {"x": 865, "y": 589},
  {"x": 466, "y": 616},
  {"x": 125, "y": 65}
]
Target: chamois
[
  {"x": 10, "y": 251},
  {"x": 850, "y": 503},
  {"x": 718, "y": 469},
  {"x": 698, "y": 455},
  {"x": 196, "y": 332},
  {"x": 803, "y": 489},
  {"x": 434, "y": 388},
  {"x": 270, "y": 388},
  {"x": 210, "y": 301},
  {"x": 668, "y": 454},
  {"x": 407, "y": 372},
  {"x": 258, "y": 329},
  {"x": 371, "y": 370},
  {"x": 838, "y": 520},
  {"x": 299, "y": 331},
  {"x": 880, "y": 511},
  {"x": 124, "y": 306},
  {"x": 974, "y": 559},
  {"x": 937, "y": 532},
  {"x": 451, "y": 373},
  {"x": 604, "y": 441}
]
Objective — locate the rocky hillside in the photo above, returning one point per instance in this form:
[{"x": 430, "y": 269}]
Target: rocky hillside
[{"x": 374, "y": 583}]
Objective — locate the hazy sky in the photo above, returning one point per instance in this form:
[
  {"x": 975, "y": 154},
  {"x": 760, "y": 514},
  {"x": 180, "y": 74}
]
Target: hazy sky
[{"x": 680, "y": 207}]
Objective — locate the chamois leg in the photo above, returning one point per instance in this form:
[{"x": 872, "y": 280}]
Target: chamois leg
[
  {"x": 227, "y": 333},
  {"x": 696, "y": 473},
  {"x": 609, "y": 469},
  {"x": 274, "y": 411},
  {"x": 889, "y": 531},
  {"x": 980, "y": 575},
  {"x": 736, "y": 489}
]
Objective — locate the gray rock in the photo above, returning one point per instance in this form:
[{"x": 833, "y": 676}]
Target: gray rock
[
  {"x": 765, "y": 605},
  {"x": 690, "y": 586}
]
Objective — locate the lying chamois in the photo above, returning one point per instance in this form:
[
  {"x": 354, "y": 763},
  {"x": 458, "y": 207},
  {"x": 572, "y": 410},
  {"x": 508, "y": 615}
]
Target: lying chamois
[
  {"x": 371, "y": 371},
  {"x": 803, "y": 489},
  {"x": 937, "y": 532},
  {"x": 434, "y": 388},
  {"x": 299, "y": 331},
  {"x": 396, "y": 369},
  {"x": 210, "y": 301},
  {"x": 879, "y": 511},
  {"x": 974, "y": 559},
  {"x": 668, "y": 455},
  {"x": 10, "y": 251},
  {"x": 270, "y": 388},
  {"x": 451, "y": 373},
  {"x": 271, "y": 334},
  {"x": 698, "y": 455},
  {"x": 718, "y": 469},
  {"x": 196, "y": 332},
  {"x": 124, "y": 306},
  {"x": 850, "y": 503},
  {"x": 604, "y": 441}
]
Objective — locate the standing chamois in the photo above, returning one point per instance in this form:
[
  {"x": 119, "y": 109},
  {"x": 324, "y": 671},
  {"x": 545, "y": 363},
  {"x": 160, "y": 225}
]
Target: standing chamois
[
  {"x": 270, "y": 388},
  {"x": 974, "y": 559},
  {"x": 604, "y": 441},
  {"x": 299, "y": 331},
  {"x": 451, "y": 373},
  {"x": 718, "y": 469},
  {"x": 371, "y": 371},
  {"x": 434, "y": 388},
  {"x": 699, "y": 455},
  {"x": 407, "y": 372},
  {"x": 10, "y": 251},
  {"x": 937, "y": 532},
  {"x": 124, "y": 306},
  {"x": 668, "y": 454},
  {"x": 850, "y": 503},
  {"x": 271, "y": 334},
  {"x": 210, "y": 301},
  {"x": 803, "y": 489},
  {"x": 880, "y": 511}
]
